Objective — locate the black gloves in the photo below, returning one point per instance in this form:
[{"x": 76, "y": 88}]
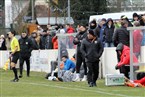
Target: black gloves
[{"x": 116, "y": 67}]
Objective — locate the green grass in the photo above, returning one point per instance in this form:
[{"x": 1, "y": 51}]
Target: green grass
[{"x": 37, "y": 86}]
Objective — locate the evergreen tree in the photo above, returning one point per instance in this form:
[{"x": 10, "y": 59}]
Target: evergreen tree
[{"x": 82, "y": 9}]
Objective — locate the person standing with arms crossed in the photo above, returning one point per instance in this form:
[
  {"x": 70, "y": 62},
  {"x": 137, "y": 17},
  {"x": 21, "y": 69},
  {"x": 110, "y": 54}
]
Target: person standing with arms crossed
[{"x": 15, "y": 49}]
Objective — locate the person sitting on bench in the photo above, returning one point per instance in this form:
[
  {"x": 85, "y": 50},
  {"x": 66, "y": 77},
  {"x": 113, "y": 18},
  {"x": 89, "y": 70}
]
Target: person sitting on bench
[{"x": 124, "y": 53}]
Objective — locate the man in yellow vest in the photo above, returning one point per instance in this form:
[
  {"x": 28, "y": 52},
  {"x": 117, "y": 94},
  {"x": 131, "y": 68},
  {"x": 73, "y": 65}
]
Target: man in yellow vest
[{"x": 15, "y": 49}]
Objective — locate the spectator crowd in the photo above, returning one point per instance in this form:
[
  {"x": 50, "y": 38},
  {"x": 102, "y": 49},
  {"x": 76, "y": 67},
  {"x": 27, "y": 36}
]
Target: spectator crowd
[{"x": 90, "y": 41}]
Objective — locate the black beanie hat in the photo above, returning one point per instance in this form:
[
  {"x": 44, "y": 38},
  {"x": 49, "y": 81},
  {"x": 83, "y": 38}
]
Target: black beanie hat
[
  {"x": 93, "y": 22},
  {"x": 135, "y": 15},
  {"x": 91, "y": 32}
]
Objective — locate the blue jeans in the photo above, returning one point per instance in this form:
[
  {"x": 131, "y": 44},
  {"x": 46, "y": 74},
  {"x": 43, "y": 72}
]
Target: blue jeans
[{"x": 109, "y": 44}]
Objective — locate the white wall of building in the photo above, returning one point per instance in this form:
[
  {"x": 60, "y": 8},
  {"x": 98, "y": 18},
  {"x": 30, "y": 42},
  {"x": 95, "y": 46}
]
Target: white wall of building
[{"x": 12, "y": 9}]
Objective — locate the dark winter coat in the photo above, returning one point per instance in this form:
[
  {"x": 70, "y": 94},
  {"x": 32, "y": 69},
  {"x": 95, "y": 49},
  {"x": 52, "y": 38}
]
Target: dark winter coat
[
  {"x": 92, "y": 51},
  {"x": 80, "y": 36},
  {"x": 34, "y": 44},
  {"x": 25, "y": 47},
  {"x": 121, "y": 35},
  {"x": 100, "y": 31},
  {"x": 48, "y": 42},
  {"x": 108, "y": 32},
  {"x": 43, "y": 40}
]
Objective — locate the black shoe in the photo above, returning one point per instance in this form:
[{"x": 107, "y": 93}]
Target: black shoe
[
  {"x": 94, "y": 84},
  {"x": 28, "y": 75},
  {"x": 60, "y": 79},
  {"x": 15, "y": 80},
  {"x": 90, "y": 84},
  {"x": 20, "y": 76}
]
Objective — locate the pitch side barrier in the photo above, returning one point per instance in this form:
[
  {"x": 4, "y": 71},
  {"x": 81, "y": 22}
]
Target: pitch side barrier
[{"x": 40, "y": 60}]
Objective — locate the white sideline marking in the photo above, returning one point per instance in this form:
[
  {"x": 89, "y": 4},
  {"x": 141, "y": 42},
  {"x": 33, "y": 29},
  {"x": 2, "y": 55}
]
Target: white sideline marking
[{"x": 101, "y": 92}]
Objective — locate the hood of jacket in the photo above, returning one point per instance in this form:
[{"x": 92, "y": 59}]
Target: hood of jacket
[
  {"x": 109, "y": 19},
  {"x": 119, "y": 47}
]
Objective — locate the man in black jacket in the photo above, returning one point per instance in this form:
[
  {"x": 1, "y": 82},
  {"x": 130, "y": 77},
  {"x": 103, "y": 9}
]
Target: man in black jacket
[
  {"x": 25, "y": 52},
  {"x": 92, "y": 49},
  {"x": 79, "y": 57},
  {"x": 121, "y": 35}
]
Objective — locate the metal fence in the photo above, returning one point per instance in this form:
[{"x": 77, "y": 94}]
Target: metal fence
[{"x": 137, "y": 48}]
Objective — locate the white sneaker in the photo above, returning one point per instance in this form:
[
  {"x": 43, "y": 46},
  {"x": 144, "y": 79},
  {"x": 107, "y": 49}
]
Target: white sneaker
[
  {"x": 77, "y": 79},
  {"x": 84, "y": 78}
]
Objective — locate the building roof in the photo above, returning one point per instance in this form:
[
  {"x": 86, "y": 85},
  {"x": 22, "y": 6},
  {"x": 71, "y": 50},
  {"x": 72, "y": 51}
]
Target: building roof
[{"x": 60, "y": 20}]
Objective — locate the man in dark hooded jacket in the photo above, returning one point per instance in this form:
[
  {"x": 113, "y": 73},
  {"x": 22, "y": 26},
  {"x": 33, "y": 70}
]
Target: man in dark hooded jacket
[
  {"x": 108, "y": 33},
  {"x": 25, "y": 52},
  {"x": 92, "y": 50},
  {"x": 93, "y": 26}
]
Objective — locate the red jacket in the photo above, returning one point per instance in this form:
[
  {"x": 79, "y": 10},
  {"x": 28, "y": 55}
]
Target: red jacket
[
  {"x": 55, "y": 42},
  {"x": 70, "y": 30},
  {"x": 137, "y": 39},
  {"x": 125, "y": 57}
]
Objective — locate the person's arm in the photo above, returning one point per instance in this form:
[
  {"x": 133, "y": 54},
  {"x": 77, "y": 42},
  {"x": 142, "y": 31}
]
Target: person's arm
[
  {"x": 104, "y": 34},
  {"x": 124, "y": 60},
  {"x": 30, "y": 45},
  {"x": 115, "y": 38},
  {"x": 83, "y": 48},
  {"x": 67, "y": 65},
  {"x": 101, "y": 49},
  {"x": 76, "y": 40}
]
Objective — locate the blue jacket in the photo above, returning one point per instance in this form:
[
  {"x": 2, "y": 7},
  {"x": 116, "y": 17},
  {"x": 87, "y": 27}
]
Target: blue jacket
[
  {"x": 68, "y": 64},
  {"x": 143, "y": 40}
]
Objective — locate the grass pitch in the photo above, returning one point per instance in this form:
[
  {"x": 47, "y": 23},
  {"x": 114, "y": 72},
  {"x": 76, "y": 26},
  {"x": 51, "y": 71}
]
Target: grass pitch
[{"x": 37, "y": 86}]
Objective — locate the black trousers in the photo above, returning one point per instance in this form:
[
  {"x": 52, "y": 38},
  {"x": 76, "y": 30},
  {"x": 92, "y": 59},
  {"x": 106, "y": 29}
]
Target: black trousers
[
  {"x": 125, "y": 70},
  {"x": 93, "y": 71},
  {"x": 79, "y": 61},
  {"x": 27, "y": 63}
]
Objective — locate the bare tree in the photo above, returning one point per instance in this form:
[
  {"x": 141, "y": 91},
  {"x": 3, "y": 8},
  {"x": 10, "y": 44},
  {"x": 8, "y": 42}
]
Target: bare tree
[{"x": 19, "y": 10}]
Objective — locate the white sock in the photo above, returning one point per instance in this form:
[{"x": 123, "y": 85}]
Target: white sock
[{"x": 85, "y": 76}]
